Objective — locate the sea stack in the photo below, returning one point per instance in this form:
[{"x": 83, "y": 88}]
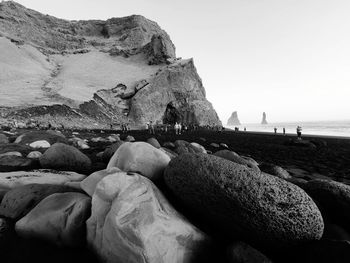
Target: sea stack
[
  {"x": 264, "y": 121},
  {"x": 233, "y": 120}
]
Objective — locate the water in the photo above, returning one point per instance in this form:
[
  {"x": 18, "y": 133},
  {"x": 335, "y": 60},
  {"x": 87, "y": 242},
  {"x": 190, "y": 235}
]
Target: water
[{"x": 327, "y": 128}]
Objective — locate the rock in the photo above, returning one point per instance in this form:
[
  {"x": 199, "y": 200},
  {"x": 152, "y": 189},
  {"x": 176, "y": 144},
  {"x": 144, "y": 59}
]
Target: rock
[
  {"x": 264, "y": 121},
  {"x": 3, "y": 138},
  {"x": 200, "y": 147},
  {"x": 233, "y": 120},
  {"x": 169, "y": 145},
  {"x": 110, "y": 150},
  {"x": 34, "y": 155},
  {"x": 202, "y": 139},
  {"x": 3, "y": 191},
  {"x": 10, "y": 163},
  {"x": 130, "y": 138},
  {"x": 224, "y": 145},
  {"x": 234, "y": 157},
  {"x": 63, "y": 157},
  {"x": 15, "y": 179},
  {"x": 333, "y": 199},
  {"x": 40, "y": 144},
  {"x": 98, "y": 139},
  {"x": 131, "y": 221},
  {"x": 242, "y": 252},
  {"x": 215, "y": 145},
  {"x": 56, "y": 133},
  {"x": 113, "y": 138},
  {"x": 11, "y": 154},
  {"x": 182, "y": 147},
  {"x": 159, "y": 50},
  {"x": 140, "y": 157},
  {"x": 154, "y": 142},
  {"x": 244, "y": 203},
  {"x": 274, "y": 170},
  {"x": 20, "y": 200},
  {"x": 250, "y": 160},
  {"x": 168, "y": 152},
  {"x": 89, "y": 183},
  {"x": 79, "y": 143},
  {"x": 59, "y": 218},
  {"x": 14, "y": 147},
  {"x": 33, "y": 136}
]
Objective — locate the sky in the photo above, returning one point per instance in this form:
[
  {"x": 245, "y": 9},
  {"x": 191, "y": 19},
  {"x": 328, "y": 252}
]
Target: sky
[{"x": 289, "y": 58}]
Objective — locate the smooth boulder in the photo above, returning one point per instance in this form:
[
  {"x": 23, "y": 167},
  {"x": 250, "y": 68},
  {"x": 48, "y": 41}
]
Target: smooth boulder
[
  {"x": 59, "y": 218},
  {"x": 32, "y": 136},
  {"x": 154, "y": 142},
  {"x": 131, "y": 221},
  {"x": 65, "y": 158},
  {"x": 9, "y": 163},
  {"x": 140, "y": 157},
  {"x": 110, "y": 150},
  {"x": 234, "y": 157},
  {"x": 243, "y": 203}
]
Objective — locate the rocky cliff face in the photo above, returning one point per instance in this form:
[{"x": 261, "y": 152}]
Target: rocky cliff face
[
  {"x": 264, "y": 121},
  {"x": 233, "y": 120},
  {"x": 121, "y": 69}
]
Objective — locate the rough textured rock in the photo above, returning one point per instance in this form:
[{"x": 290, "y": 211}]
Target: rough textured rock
[
  {"x": 262, "y": 209},
  {"x": 333, "y": 199},
  {"x": 233, "y": 120},
  {"x": 14, "y": 147},
  {"x": 20, "y": 200},
  {"x": 59, "y": 218},
  {"x": 16, "y": 179},
  {"x": 40, "y": 144},
  {"x": 275, "y": 170},
  {"x": 10, "y": 163},
  {"x": 65, "y": 158},
  {"x": 182, "y": 147},
  {"x": 110, "y": 150},
  {"x": 140, "y": 157},
  {"x": 34, "y": 155},
  {"x": 131, "y": 221},
  {"x": 203, "y": 150},
  {"x": 241, "y": 252}
]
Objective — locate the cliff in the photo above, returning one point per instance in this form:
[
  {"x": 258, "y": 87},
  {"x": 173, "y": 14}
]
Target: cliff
[
  {"x": 264, "y": 121},
  {"x": 121, "y": 69},
  {"x": 233, "y": 120}
]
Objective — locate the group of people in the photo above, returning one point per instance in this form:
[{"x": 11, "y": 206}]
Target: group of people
[
  {"x": 298, "y": 130},
  {"x": 178, "y": 128}
]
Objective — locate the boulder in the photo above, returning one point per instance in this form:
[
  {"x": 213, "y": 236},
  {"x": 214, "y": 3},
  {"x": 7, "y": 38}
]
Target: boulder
[
  {"x": 33, "y": 136},
  {"x": 89, "y": 183},
  {"x": 15, "y": 179},
  {"x": 11, "y": 154},
  {"x": 34, "y": 155},
  {"x": 140, "y": 157},
  {"x": 3, "y": 138},
  {"x": 215, "y": 145},
  {"x": 242, "y": 202},
  {"x": 224, "y": 145},
  {"x": 110, "y": 150},
  {"x": 234, "y": 157},
  {"x": 130, "y": 138},
  {"x": 169, "y": 145},
  {"x": 200, "y": 147},
  {"x": 131, "y": 221},
  {"x": 14, "y": 147},
  {"x": 40, "y": 144},
  {"x": 154, "y": 142},
  {"x": 59, "y": 218},
  {"x": 9, "y": 163},
  {"x": 182, "y": 147},
  {"x": 333, "y": 199},
  {"x": 79, "y": 143},
  {"x": 20, "y": 200},
  {"x": 64, "y": 157},
  {"x": 240, "y": 252},
  {"x": 6, "y": 231},
  {"x": 168, "y": 152},
  {"x": 274, "y": 170}
]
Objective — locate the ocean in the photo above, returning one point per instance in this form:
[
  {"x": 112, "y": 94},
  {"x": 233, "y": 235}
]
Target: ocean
[{"x": 327, "y": 128}]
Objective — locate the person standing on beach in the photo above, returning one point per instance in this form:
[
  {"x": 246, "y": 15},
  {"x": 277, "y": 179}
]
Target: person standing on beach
[
  {"x": 299, "y": 132},
  {"x": 275, "y": 129},
  {"x": 284, "y": 131}
]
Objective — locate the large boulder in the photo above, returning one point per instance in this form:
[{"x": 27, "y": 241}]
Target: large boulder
[
  {"x": 59, "y": 218},
  {"x": 244, "y": 203},
  {"x": 274, "y": 170},
  {"x": 234, "y": 157},
  {"x": 65, "y": 158},
  {"x": 15, "y": 179},
  {"x": 33, "y": 136},
  {"x": 20, "y": 200},
  {"x": 14, "y": 147},
  {"x": 333, "y": 198},
  {"x": 140, "y": 157},
  {"x": 154, "y": 142},
  {"x": 131, "y": 221},
  {"x": 182, "y": 147},
  {"x": 110, "y": 150}
]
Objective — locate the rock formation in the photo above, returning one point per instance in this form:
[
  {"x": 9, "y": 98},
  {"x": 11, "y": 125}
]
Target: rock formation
[
  {"x": 264, "y": 121},
  {"x": 76, "y": 72},
  {"x": 233, "y": 120}
]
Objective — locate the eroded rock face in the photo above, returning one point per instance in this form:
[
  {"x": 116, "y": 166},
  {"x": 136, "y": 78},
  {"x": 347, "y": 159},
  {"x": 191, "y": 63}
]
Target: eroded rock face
[
  {"x": 241, "y": 202},
  {"x": 233, "y": 120},
  {"x": 131, "y": 221}
]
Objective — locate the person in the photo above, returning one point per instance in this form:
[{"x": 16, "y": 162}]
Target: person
[
  {"x": 284, "y": 131},
  {"x": 151, "y": 126},
  {"x": 245, "y": 129},
  {"x": 180, "y": 128},
  {"x": 176, "y": 128},
  {"x": 299, "y": 132},
  {"x": 275, "y": 129}
]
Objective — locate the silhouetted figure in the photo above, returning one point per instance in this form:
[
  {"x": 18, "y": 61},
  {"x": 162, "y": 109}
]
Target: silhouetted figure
[
  {"x": 245, "y": 129},
  {"x": 299, "y": 132},
  {"x": 284, "y": 131},
  {"x": 151, "y": 127},
  {"x": 275, "y": 129}
]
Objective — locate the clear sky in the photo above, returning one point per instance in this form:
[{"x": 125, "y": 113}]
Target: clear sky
[{"x": 289, "y": 58}]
